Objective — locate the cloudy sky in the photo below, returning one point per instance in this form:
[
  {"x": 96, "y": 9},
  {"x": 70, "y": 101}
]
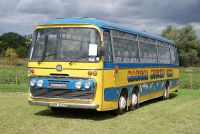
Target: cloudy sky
[{"x": 149, "y": 15}]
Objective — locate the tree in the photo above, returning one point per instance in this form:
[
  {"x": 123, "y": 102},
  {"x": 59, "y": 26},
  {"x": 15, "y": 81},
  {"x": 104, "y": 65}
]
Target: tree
[
  {"x": 13, "y": 40},
  {"x": 187, "y": 42}
]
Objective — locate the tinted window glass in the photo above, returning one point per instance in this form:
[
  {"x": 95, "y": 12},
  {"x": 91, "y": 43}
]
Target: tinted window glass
[
  {"x": 108, "y": 57},
  {"x": 148, "y": 53},
  {"x": 176, "y": 55},
  {"x": 173, "y": 55},
  {"x": 164, "y": 54},
  {"x": 125, "y": 50},
  {"x": 64, "y": 44}
]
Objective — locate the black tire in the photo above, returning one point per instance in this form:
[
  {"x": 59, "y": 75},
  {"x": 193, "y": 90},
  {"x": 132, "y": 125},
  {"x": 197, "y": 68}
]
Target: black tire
[
  {"x": 134, "y": 101},
  {"x": 122, "y": 104},
  {"x": 166, "y": 92}
]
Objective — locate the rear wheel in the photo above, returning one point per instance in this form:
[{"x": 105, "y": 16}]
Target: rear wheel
[
  {"x": 166, "y": 92},
  {"x": 134, "y": 102}
]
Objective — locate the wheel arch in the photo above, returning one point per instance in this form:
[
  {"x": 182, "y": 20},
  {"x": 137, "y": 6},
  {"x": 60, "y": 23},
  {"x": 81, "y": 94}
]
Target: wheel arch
[
  {"x": 136, "y": 89},
  {"x": 124, "y": 91}
]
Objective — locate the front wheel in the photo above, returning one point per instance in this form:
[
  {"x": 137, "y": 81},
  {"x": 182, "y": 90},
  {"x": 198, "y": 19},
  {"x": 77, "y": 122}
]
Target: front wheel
[{"x": 122, "y": 105}]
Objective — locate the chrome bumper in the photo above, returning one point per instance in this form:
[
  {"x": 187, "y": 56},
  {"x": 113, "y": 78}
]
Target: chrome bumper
[{"x": 66, "y": 105}]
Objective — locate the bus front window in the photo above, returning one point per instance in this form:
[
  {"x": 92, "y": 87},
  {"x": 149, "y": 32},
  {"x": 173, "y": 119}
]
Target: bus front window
[{"x": 64, "y": 44}]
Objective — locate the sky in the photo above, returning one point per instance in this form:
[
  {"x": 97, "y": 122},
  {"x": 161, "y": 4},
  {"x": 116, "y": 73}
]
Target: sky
[{"x": 152, "y": 16}]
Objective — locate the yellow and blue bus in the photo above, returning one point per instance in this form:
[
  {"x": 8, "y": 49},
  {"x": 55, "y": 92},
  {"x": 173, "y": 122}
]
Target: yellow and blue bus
[{"x": 89, "y": 63}]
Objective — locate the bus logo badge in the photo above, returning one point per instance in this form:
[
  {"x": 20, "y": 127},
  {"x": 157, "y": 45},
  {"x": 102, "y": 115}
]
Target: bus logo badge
[{"x": 59, "y": 68}]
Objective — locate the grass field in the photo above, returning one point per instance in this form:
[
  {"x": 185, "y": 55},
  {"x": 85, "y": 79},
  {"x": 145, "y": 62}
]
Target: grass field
[
  {"x": 13, "y": 79},
  {"x": 178, "y": 115},
  {"x": 13, "y": 75},
  {"x": 190, "y": 78}
]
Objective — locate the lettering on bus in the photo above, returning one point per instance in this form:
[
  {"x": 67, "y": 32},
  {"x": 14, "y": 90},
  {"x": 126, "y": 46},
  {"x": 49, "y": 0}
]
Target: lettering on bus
[
  {"x": 157, "y": 73},
  {"x": 137, "y": 75},
  {"x": 169, "y": 72}
]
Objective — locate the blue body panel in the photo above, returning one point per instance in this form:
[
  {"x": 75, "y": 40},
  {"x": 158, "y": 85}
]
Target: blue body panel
[
  {"x": 104, "y": 24},
  {"x": 112, "y": 94},
  {"x": 69, "y": 82},
  {"x": 110, "y": 65}
]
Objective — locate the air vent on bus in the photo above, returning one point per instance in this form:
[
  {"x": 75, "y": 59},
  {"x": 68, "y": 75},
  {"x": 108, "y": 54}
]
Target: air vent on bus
[{"x": 53, "y": 74}]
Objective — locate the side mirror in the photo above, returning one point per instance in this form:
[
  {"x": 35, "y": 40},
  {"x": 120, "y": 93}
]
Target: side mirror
[
  {"x": 101, "y": 51},
  {"x": 96, "y": 50}
]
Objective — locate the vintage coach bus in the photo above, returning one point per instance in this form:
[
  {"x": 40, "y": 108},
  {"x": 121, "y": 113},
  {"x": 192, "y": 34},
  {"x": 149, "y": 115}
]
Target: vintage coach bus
[{"x": 92, "y": 64}]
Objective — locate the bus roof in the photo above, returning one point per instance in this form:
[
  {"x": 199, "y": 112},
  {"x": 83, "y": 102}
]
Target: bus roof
[{"x": 104, "y": 24}]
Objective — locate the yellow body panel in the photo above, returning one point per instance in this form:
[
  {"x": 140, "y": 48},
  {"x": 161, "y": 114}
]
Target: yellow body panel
[{"x": 74, "y": 69}]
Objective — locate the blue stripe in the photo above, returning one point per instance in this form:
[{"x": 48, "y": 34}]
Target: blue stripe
[
  {"x": 136, "y": 65},
  {"x": 112, "y": 94}
]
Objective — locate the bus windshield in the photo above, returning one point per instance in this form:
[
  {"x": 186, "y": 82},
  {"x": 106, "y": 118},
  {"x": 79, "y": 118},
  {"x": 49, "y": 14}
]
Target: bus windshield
[{"x": 64, "y": 44}]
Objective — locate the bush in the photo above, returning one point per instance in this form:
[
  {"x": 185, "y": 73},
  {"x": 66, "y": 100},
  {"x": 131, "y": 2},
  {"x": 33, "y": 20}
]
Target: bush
[
  {"x": 22, "y": 52},
  {"x": 12, "y": 56}
]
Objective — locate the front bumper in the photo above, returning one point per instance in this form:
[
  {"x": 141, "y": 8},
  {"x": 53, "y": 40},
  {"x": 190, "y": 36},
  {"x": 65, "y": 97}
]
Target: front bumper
[{"x": 65, "y": 105}]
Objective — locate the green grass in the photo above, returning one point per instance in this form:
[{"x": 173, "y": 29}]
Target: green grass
[
  {"x": 178, "y": 115},
  {"x": 190, "y": 77},
  {"x": 13, "y": 79},
  {"x": 13, "y": 87},
  {"x": 8, "y": 75}
]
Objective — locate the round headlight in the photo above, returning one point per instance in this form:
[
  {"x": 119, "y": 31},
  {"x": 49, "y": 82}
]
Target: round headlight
[
  {"x": 32, "y": 83},
  {"x": 87, "y": 85},
  {"x": 78, "y": 85},
  {"x": 40, "y": 83}
]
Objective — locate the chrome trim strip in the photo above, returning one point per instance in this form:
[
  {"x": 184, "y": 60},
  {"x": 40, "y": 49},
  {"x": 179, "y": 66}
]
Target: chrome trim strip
[
  {"x": 75, "y": 99},
  {"x": 66, "y": 105}
]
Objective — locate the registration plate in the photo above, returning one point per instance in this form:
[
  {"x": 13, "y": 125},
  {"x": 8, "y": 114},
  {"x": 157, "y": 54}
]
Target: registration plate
[
  {"x": 58, "y": 104},
  {"x": 58, "y": 85}
]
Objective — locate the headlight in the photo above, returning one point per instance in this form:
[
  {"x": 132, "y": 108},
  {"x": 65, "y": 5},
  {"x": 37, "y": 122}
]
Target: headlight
[
  {"x": 87, "y": 85},
  {"x": 40, "y": 83},
  {"x": 78, "y": 85},
  {"x": 32, "y": 83}
]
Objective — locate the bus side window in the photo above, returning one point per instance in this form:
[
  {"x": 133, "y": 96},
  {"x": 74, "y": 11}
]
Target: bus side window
[
  {"x": 126, "y": 49},
  {"x": 176, "y": 55},
  {"x": 173, "y": 57},
  {"x": 148, "y": 52},
  {"x": 164, "y": 54},
  {"x": 108, "y": 57}
]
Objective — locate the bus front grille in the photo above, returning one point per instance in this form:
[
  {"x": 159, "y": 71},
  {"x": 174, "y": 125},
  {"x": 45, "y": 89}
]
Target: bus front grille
[{"x": 62, "y": 93}]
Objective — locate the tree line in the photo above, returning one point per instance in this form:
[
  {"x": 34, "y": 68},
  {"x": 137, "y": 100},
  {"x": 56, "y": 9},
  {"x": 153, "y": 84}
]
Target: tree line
[
  {"x": 187, "y": 43},
  {"x": 15, "y": 45}
]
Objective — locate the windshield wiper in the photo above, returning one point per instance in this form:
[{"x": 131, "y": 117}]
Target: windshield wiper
[
  {"x": 77, "y": 58},
  {"x": 47, "y": 56},
  {"x": 50, "y": 55}
]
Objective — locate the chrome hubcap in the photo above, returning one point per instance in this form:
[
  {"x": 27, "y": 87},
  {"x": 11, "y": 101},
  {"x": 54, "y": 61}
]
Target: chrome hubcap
[
  {"x": 166, "y": 93},
  {"x": 134, "y": 99},
  {"x": 122, "y": 102}
]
